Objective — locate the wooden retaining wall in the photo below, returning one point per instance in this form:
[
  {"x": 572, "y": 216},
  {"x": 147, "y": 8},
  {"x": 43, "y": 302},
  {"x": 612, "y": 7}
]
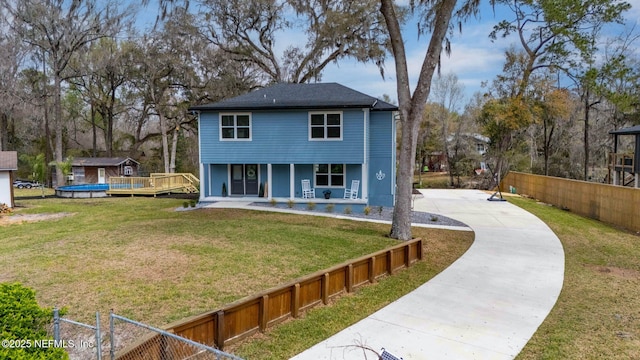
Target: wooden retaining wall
[
  {"x": 258, "y": 312},
  {"x": 616, "y": 205}
]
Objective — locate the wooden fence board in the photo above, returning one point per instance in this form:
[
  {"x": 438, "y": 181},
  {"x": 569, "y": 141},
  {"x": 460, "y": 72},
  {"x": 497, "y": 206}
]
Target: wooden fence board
[
  {"x": 280, "y": 306},
  {"x": 616, "y": 205}
]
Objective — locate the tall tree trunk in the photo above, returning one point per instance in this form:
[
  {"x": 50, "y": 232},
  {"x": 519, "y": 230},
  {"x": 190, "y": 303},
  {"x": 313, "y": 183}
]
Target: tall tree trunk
[
  {"x": 94, "y": 131},
  {"x": 58, "y": 126},
  {"x": 110, "y": 121},
  {"x": 165, "y": 141},
  {"x": 587, "y": 108},
  {"x": 4, "y": 132},
  {"x": 174, "y": 149},
  {"x": 545, "y": 147},
  {"x": 411, "y": 106}
]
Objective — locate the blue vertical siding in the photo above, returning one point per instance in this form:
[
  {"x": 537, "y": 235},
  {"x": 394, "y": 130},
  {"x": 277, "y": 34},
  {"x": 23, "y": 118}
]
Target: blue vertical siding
[
  {"x": 280, "y": 177},
  {"x": 382, "y": 159},
  {"x": 219, "y": 175}
]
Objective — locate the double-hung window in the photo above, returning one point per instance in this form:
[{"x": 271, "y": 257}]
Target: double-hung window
[
  {"x": 235, "y": 127},
  {"x": 325, "y": 125},
  {"x": 329, "y": 175}
]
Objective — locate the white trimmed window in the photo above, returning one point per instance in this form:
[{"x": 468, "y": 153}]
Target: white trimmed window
[
  {"x": 325, "y": 125},
  {"x": 235, "y": 127},
  {"x": 329, "y": 175}
]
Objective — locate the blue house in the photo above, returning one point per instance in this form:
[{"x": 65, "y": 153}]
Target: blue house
[{"x": 265, "y": 143}]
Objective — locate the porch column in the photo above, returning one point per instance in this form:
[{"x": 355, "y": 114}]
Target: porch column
[
  {"x": 203, "y": 185},
  {"x": 292, "y": 181},
  {"x": 365, "y": 182},
  {"x": 269, "y": 182}
]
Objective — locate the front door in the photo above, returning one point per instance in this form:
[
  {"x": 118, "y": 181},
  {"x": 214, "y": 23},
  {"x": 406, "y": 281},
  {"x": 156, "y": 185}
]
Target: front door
[
  {"x": 102, "y": 178},
  {"x": 244, "y": 179}
]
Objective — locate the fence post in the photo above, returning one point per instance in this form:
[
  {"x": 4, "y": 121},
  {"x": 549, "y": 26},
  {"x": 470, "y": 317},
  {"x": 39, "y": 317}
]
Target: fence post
[
  {"x": 111, "y": 335},
  {"x": 324, "y": 284},
  {"x": 219, "y": 334},
  {"x": 264, "y": 313},
  {"x": 98, "y": 337},
  {"x": 372, "y": 270},
  {"x": 349, "y": 280},
  {"x": 56, "y": 324},
  {"x": 407, "y": 256},
  {"x": 295, "y": 298}
]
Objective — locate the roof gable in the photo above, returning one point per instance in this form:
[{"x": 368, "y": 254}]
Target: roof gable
[
  {"x": 300, "y": 96},
  {"x": 8, "y": 160},
  {"x": 101, "y": 161}
]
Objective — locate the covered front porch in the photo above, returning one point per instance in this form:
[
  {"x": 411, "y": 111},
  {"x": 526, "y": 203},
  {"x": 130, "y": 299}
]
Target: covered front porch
[{"x": 283, "y": 182}]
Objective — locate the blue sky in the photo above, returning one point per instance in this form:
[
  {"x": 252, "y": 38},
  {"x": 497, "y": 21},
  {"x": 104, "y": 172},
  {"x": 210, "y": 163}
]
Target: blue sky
[{"x": 474, "y": 57}]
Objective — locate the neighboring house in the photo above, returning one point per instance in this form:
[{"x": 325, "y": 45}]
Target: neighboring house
[
  {"x": 472, "y": 146},
  {"x": 99, "y": 170},
  {"x": 275, "y": 137},
  {"x": 8, "y": 164}
]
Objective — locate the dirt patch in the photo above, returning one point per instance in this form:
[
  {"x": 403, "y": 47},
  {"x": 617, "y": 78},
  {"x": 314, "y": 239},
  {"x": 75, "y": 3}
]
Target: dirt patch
[
  {"x": 616, "y": 271},
  {"x": 21, "y": 218}
]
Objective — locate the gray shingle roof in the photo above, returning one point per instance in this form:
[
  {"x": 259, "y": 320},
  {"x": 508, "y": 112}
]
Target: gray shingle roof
[
  {"x": 100, "y": 161},
  {"x": 300, "y": 96},
  {"x": 8, "y": 160}
]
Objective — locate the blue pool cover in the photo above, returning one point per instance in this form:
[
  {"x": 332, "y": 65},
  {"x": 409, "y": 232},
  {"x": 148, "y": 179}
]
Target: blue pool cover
[{"x": 85, "y": 187}]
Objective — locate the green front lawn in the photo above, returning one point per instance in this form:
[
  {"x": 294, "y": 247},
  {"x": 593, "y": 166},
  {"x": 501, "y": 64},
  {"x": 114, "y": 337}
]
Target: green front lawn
[{"x": 153, "y": 264}]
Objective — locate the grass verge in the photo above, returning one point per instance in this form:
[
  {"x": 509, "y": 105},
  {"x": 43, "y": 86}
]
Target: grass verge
[{"x": 597, "y": 315}]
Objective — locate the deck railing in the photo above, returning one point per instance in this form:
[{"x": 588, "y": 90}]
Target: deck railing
[
  {"x": 155, "y": 184},
  {"x": 621, "y": 162}
]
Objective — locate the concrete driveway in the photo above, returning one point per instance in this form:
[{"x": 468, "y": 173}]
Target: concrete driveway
[{"x": 486, "y": 305}]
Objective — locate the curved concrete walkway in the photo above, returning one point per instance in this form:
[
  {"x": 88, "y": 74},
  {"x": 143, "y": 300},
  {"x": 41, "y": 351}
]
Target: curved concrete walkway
[{"x": 486, "y": 305}]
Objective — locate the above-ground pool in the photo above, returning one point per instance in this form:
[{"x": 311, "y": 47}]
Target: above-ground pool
[{"x": 83, "y": 191}]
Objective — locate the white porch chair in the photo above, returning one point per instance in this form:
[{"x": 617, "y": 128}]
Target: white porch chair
[
  {"x": 352, "y": 193},
  {"x": 307, "y": 191}
]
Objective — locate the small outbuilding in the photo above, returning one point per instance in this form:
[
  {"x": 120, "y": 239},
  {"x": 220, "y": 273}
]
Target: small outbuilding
[
  {"x": 625, "y": 165},
  {"x": 98, "y": 170},
  {"x": 8, "y": 164}
]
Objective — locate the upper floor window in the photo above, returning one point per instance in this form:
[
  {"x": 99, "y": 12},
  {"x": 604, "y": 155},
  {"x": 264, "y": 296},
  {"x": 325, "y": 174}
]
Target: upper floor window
[
  {"x": 235, "y": 127},
  {"x": 325, "y": 126}
]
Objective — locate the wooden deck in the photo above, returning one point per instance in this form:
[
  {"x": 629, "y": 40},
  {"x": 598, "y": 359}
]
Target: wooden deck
[{"x": 158, "y": 183}]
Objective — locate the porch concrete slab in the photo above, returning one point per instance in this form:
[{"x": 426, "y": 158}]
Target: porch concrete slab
[{"x": 486, "y": 305}]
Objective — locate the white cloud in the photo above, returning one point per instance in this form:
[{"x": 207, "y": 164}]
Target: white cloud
[{"x": 474, "y": 59}]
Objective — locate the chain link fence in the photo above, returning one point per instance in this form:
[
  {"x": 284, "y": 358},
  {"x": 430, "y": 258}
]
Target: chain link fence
[
  {"x": 81, "y": 341},
  {"x": 154, "y": 343},
  {"x": 126, "y": 339}
]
